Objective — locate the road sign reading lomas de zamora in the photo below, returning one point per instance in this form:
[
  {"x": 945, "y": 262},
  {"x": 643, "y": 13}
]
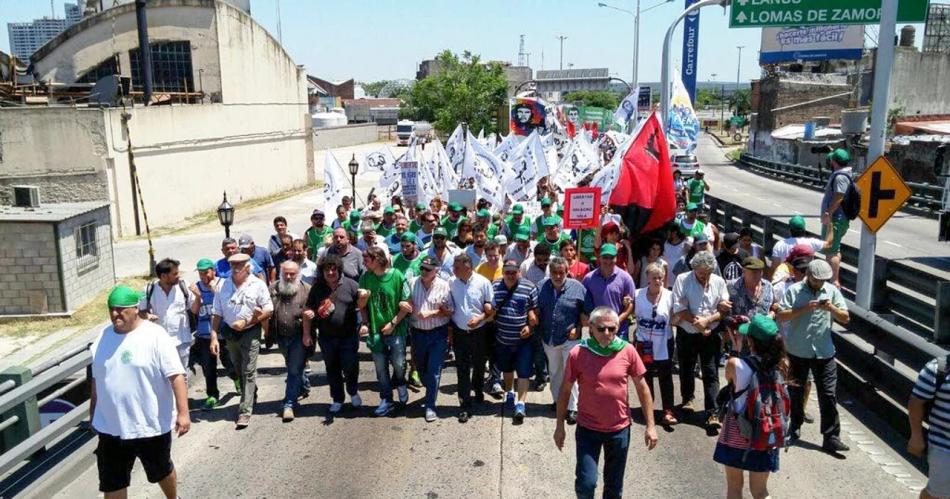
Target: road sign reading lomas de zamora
[{"x": 759, "y": 13}]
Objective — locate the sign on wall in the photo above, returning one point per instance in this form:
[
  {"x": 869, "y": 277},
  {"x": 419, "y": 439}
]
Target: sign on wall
[{"x": 811, "y": 43}]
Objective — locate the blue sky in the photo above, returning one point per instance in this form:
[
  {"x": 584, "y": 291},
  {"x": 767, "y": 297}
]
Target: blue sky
[{"x": 386, "y": 39}]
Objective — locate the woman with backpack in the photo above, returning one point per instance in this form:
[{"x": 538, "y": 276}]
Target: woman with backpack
[{"x": 756, "y": 410}]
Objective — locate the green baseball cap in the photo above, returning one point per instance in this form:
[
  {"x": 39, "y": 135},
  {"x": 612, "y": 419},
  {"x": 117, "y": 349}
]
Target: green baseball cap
[
  {"x": 692, "y": 207},
  {"x": 840, "y": 155},
  {"x": 546, "y": 202},
  {"x": 761, "y": 327},
  {"x": 123, "y": 297},
  {"x": 549, "y": 222},
  {"x": 420, "y": 206},
  {"x": 439, "y": 231},
  {"x": 389, "y": 211},
  {"x": 517, "y": 209},
  {"x": 355, "y": 216},
  {"x": 522, "y": 235},
  {"x": 483, "y": 213},
  {"x": 797, "y": 222},
  {"x": 204, "y": 264},
  {"x": 408, "y": 237},
  {"x": 608, "y": 249},
  {"x": 453, "y": 206}
]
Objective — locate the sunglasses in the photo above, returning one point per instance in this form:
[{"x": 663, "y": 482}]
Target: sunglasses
[
  {"x": 430, "y": 269},
  {"x": 438, "y": 237},
  {"x": 601, "y": 329}
]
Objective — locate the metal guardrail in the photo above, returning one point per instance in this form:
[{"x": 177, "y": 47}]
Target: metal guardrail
[
  {"x": 925, "y": 198},
  {"x": 19, "y": 405},
  {"x": 919, "y": 299}
]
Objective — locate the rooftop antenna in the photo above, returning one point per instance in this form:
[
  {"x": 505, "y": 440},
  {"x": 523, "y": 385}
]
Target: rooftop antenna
[
  {"x": 280, "y": 36},
  {"x": 521, "y": 53}
]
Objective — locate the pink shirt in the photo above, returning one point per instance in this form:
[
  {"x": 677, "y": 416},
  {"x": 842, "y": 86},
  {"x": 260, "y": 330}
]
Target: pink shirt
[{"x": 602, "y": 383}]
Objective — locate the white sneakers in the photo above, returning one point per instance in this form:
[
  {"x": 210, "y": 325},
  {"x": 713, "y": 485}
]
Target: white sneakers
[
  {"x": 356, "y": 400},
  {"x": 335, "y": 407},
  {"x": 431, "y": 416},
  {"x": 384, "y": 408}
]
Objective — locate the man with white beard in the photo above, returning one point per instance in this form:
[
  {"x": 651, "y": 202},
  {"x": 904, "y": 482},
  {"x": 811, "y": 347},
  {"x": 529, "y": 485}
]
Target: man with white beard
[{"x": 289, "y": 295}]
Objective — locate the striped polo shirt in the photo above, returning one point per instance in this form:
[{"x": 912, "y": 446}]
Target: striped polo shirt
[
  {"x": 926, "y": 389},
  {"x": 511, "y": 314},
  {"x": 429, "y": 300}
]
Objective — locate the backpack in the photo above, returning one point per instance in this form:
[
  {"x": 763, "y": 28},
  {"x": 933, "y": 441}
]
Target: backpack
[
  {"x": 192, "y": 318},
  {"x": 851, "y": 204},
  {"x": 764, "y": 417}
]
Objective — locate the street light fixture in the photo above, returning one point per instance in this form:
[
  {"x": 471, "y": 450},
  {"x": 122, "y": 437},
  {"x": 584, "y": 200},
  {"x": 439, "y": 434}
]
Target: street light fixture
[
  {"x": 226, "y": 215},
  {"x": 354, "y": 169},
  {"x": 735, "y": 93},
  {"x": 634, "y": 80}
]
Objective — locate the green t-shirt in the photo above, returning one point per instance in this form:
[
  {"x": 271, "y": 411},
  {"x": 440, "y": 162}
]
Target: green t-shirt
[
  {"x": 383, "y": 231},
  {"x": 697, "y": 190},
  {"x": 491, "y": 231},
  {"x": 513, "y": 227},
  {"x": 409, "y": 268},
  {"x": 451, "y": 227},
  {"x": 386, "y": 292},
  {"x": 586, "y": 244},
  {"x": 414, "y": 226},
  {"x": 538, "y": 223},
  {"x": 556, "y": 245},
  {"x": 697, "y": 228},
  {"x": 314, "y": 238},
  {"x": 347, "y": 227}
]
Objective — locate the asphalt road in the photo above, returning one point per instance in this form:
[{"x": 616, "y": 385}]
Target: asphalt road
[
  {"x": 905, "y": 237},
  {"x": 358, "y": 455}
]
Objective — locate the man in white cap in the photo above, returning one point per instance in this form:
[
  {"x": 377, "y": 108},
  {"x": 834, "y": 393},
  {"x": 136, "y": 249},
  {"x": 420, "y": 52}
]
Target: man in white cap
[{"x": 809, "y": 307}]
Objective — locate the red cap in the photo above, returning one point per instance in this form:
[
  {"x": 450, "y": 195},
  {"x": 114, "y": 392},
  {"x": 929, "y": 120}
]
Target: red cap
[
  {"x": 611, "y": 226},
  {"x": 800, "y": 250}
]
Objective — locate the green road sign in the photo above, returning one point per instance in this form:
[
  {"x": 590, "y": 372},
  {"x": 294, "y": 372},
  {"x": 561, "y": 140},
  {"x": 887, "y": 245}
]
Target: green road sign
[{"x": 758, "y": 13}]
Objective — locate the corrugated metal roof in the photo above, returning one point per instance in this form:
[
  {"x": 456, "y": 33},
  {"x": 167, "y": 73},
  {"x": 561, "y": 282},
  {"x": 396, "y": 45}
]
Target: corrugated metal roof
[{"x": 48, "y": 212}]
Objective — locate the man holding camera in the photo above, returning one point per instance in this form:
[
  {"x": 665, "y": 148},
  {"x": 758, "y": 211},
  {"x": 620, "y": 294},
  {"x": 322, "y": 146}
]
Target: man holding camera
[{"x": 809, "y": 307}]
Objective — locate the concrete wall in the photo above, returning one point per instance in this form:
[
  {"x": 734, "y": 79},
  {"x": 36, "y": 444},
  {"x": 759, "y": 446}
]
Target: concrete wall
[
  {"x": 773, "y": 93},
  {"x": 58, "y": 149},
  {"x": 343, "y": 136},
  {"x": 918, "y": 83},
  {"x": 89, "y": 42},
  {"x": 29, "y": 274},
  {"x": 84, "y": 279}
]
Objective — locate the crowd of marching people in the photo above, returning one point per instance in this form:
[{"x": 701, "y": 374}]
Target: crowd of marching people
[{"x": 517, "y": 303}]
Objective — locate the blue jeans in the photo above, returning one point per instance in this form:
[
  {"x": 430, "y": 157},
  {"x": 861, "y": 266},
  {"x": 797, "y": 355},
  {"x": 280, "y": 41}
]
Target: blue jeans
[
  {"x": 589, "y": 444},
  {"x": 394, "y": 353},
  {"x": 342, "y": 364},
  {"x": 291, "y": 347},
  {"x": 429, "y": 348}
]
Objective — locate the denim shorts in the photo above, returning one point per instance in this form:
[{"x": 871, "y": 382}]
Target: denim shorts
[
  {"x": 518, "y": 358},
  {"x": 938, "y": 484}
]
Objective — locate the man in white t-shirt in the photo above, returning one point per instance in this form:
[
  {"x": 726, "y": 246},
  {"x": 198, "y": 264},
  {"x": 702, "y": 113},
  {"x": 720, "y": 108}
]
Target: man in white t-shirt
[
  {"x": 137, "y": 397},
  {"x": 796, "y": 228},
  {"x": 166, "y": 302}
]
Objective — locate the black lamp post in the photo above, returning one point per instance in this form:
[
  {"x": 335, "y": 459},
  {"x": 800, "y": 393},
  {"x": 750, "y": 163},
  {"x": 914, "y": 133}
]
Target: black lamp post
[
  {"x": 354, "y": 169},
  {"x": 226, "y": 215}
]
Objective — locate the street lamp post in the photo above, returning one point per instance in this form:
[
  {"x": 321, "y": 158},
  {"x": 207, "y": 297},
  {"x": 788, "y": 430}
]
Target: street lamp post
[
  {"x": 735, "y": 93},
  {"x": 354, "y": 169},
  {"x": 226, "y": 215},
  {"x": 634, "y": 79}
]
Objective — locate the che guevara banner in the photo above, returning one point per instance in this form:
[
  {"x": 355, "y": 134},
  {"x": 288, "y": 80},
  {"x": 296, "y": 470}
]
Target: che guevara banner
[{"x": 643, "y": 195}]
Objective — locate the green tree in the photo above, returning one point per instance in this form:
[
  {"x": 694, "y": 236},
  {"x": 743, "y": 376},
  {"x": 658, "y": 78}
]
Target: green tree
[
  {"x": 741, "y": 102},
  {"x": 597, "y": 98},
  {"x": 372, "y": 88},
  {"x": 464, "y": 89}
]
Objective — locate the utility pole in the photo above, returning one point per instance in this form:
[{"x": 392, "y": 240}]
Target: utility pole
[
  {"x": 280, "y": 35},
  {"x": 634, "y": 80},
  {"x": 883, "y": 63},
  {"x": 521, "y": 57},
  {"x": 561, "y": 38},
  {"x": 735, "y": 93}
]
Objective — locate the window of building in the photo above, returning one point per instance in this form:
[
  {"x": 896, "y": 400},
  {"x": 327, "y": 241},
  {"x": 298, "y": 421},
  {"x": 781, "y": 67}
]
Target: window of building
[
  {"x": 103, "y": 69},
  {"x": 171, "y": 67},
  {"x": 87, "y": 249}
]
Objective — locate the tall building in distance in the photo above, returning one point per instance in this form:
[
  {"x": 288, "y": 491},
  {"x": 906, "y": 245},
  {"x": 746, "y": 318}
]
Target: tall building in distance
[
  {"x": 25, "y": 38},
  {"x": 73, "y": 13}
]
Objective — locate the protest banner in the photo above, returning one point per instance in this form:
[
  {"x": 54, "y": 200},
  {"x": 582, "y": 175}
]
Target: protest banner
[
  {"x": 409, "y": 173},
  {"x": 582, "y": 208},
  {"x": 463, "y": 197}
]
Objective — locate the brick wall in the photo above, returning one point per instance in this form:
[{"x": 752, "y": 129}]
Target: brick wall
[
  {"x": 69, "y": 188},
  {"x": 29, "y": 273},
  {"x": 772, "y": 93},
  {"x": 85, "y": 278}
]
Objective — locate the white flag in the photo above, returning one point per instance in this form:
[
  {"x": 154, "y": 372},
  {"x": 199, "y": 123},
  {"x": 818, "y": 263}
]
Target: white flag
[
  {"x": 479, "y": 173},
  {"x": 335, "y": 184},
  {"x": 429, "y": 187},
  {"x": 527, "y": 164},
  {"x": 378, "y": 160},
  {"x": 579, "y": 161},
  {"x": 606, "y": 178},
  {"x": 442, "y": 170},
  {"x": 508, "y": 144},
  {"x": 454, "y": 149},
  {"x": 627, "y": 110}
]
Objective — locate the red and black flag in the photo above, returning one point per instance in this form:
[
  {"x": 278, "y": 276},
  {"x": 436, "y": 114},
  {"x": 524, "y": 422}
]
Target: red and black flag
[{"x": 644, "y": 194}]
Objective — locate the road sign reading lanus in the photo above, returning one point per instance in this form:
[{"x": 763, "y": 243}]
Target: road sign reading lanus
[{"x": 757, "y": 13}]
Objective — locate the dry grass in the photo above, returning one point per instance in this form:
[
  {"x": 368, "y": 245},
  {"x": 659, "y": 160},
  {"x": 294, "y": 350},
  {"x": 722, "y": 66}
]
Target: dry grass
[{"x": 87, "y": 316}]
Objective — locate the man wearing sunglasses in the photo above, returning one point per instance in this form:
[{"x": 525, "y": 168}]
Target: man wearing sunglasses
[
  {"x": 601, "y": 366},
  {"x": 442, "y": 253}
]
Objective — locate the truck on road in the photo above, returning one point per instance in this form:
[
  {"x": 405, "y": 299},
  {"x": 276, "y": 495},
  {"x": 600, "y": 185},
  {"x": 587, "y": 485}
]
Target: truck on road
[{"x": 404, "y": 131}]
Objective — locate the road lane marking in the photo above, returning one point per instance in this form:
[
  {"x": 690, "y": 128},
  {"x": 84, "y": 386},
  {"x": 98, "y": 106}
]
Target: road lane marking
[{"x": 892, "y": 244}]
